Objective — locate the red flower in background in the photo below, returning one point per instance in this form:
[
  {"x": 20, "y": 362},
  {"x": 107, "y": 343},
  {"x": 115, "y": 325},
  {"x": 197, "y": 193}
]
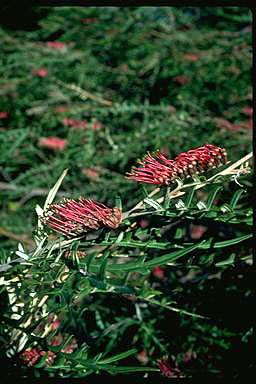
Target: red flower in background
[
  {"x": 89, "y": 20},
  {"x": 96, "y": 125},
  {"x": 70, "y": 217},
  {"x": 247, "y": 111},
  {"x": 167, "y": 369},
  {"x": 42, "y": 72},
  {"x": 50, "y": 357},
  {"x": 142, "y": 357},
  {"x": 191, "y": 56},
  {"x": 3, "y": 115},
  {"x": 189, "y": 355},
  {"x": 56, "y": 44},
  {"x": 181, "y": 79},
  {"x": 75, "y": 123},
  {"x": 197, "y": 231},
  {"x": 52, "y": 143},
  {"x": 223, "y": 123},
  {"x": 91, "y": 173},
  {"x": 158, "y": 272},
  {"x": 32, "y": 355},
  {"x": 55, "y": 324},
  {"x": 144, "y": 223},
  {"x": 59, "y": 339},
  {"x": 61, "y": 109}
]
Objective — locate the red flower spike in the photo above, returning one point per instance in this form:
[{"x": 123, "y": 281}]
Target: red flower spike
[
  {"x": 50, "y": 357},
  {"x": 51, "y": 142},
  {"x": 30, "y": 356},
  {"x": 70, "y": 217},
  {"x": 167, "y": 369},
  {"x": 161, "y": 171},
  {"x": 153, "y": 171}
]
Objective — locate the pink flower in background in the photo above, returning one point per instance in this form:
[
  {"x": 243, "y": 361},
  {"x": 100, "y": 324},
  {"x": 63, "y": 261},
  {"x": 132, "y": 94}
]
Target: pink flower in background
[
  {"x": 167, "y": 369},
  {"x": 55, "y": 324},
  {"x": 41, "y": 72},
  {"x": 70, "y": 217},
  {"x": 96, "y": 125},
  {"x": 75, "y": 123},
  {"x": 144, "y": 223},
  {"x": 3, "y": 115},
  {"x": 30, "y": 356},
  {"x": 191, "y": 56},
  {"x": 89, "y": 20},
  {"x": 56, "y": 44},
  {"x": 223, "y": 123},
  {"x": 91, "y": 173},
  {"x": 142, "y": 357},
  {"x": 60, "y": 109},
  {"x": 52, "y": 143},
  {"x": 197, "y": 231},
  {"x": 189, "y": 355},
  {"x": 246, "y": 124},
  {"x": 181, "y": 79},
  {"x": 158, "y": 272},
  {"x": 50, "y": 357},
  {"x": 59, "y": 339},
  {"x": 247, "y": 111}
]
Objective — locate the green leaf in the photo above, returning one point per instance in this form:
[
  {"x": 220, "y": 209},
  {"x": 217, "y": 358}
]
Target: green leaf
[
  {"x": 135, "y": 266},
  {"x": 89, "y": 260},
  {"x": 179, "y": 233},
  {"x": 189, "y": 197},
  {"x": 229, "y": 260},
  {"x": 236, "y": 197},
  {"x": 120, "y": 356},
  {"x": 103, "y": 265},
  {"x": 201, "y": 205},
  {"x": 212, "y": 196},
  {"x": 54, "y": 190},
  {"x": 221, "y": 244},
  {"x": 99, "y": 284},
  {"x": 118, "y": 202}
]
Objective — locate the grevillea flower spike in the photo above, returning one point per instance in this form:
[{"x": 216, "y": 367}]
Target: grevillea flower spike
[
  {"x": 72, "y": 218},
  {"x": 156, "y": 169}
]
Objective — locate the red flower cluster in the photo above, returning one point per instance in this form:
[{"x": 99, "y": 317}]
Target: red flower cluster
[
  {"x": 52, "y": 143},
  {"x": 74, "y": 123},
  {"x": 158, "y": 272},
  {"x": 56, "y": 44},
  {"x": 59, "y": 339},
  {"x": 157, "y": 169},
  {"x": 60, "y": 109},
  {"x": 3, "y": 115},
  {"x": 42, "y": 72},
  {"x": 31, "y": 356},
  {"x": 167, "y": 369},
  {"x": 73, "y": 218},
  {"x": 181, "y": 79},
  {"x": 89, "y": 20}
]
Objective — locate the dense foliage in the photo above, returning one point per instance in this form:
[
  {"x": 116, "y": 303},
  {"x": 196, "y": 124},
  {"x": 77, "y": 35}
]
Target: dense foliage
[{"x": 91, "y": 90}]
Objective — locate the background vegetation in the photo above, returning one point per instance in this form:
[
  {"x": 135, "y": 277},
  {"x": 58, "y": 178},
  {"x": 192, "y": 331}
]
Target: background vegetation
[{"x": 114, "y": 83}]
